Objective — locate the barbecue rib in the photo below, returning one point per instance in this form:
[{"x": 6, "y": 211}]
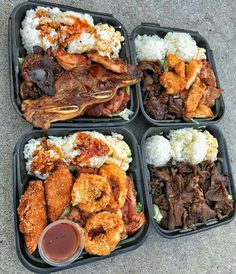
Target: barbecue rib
[{"x": 77, "y": 90}]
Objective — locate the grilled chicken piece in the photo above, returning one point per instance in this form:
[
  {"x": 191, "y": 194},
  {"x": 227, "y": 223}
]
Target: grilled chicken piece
[
  {"x": 192, "y": 70},
  {"x": 207, "y": 75},
  {"x": 116, "y": 104},
  {"x": 69, "y": 61},
  {"x": 76, "y": 91},
  {"x": 117, "y": 66},
  {"x": 195, "y": 94},
  {"x": 210, "y": 95}
]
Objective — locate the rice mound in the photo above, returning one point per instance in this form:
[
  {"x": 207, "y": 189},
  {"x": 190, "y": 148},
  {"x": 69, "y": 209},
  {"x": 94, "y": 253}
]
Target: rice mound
[
  {"x": 150, "y": 48},
  {"x": 102, "y": 37},
  {"x": 188, "y": 145},
  {"x": 182, "y": 45},
  {"x": 157, "y": 150}
]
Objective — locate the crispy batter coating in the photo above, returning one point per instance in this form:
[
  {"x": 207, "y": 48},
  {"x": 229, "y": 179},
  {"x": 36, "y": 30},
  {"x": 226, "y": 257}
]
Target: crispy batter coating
[
  {"x": 192, "y": 69},
  {"x": 32, "y": 214},
  {"x": 201, "y": 111},
  {"x": 119, "y": 184},
  {"x": 58, "y": 190},
  {"x": 103, "y": 233},
  {"x": 195, "y": 94},
  {"x": 172, "y": 82},
  {"x": 91, "y": 192}
]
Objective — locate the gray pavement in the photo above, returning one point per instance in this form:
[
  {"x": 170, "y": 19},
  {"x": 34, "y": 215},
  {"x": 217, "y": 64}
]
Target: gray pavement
[{"x": 213, "y": 251}]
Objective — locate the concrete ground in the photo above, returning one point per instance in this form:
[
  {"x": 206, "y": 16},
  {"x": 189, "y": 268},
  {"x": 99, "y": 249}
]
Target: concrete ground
[{"x": 208, "y": 252}]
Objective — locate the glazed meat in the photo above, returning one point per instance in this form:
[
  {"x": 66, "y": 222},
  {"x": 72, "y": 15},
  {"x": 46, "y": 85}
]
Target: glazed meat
[
  {"x": 32, "y": 214},
  {"x": 58, "y": 188},
  {"x": 157, "y": 103},
  {"x": 39, "y": 71},
  {"x": 76, "y": 91},
  {"x": 187, "y": 194},
  {"x": 116, "y": 104},
  {"x": 207, "y": 75},
  {"x": 117, "y": 66}
]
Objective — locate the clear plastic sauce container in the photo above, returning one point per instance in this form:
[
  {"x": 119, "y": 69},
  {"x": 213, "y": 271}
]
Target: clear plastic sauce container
[{"x": 61, "y": 243}]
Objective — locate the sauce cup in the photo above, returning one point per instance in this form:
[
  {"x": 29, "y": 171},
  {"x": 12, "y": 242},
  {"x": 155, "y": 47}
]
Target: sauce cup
[{"x": 61, "y": 243}]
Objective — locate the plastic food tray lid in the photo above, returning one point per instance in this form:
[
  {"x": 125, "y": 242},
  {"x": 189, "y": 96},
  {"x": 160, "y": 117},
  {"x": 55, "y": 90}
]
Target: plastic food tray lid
[
  {"x": 223, "y": 163},
  {"x": 16, "y": 51},
  {"x": 20, "y": 181},
  {"x": 156, "y": 29}
]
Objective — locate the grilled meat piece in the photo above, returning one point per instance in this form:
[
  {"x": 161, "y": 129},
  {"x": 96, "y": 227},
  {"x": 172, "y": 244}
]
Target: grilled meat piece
[
  {"x": 41, "y": 70},
  {"x": 117, "y": 66},
  {"x": 207, "y": 75},
  {"x": 76, "y": 91},
  {"x": 116, "y": 104}
]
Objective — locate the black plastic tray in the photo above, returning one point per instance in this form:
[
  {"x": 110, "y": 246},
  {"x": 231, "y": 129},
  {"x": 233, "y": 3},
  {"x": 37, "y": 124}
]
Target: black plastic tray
[
  {"x": 152, "y": 29},
  {"x": 21, "y": 179},
  {"x": 16, "y": 50},
  {"x": 223, "y": 164}
]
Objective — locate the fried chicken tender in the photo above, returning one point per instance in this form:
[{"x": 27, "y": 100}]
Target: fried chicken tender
[
  {"x": 193, "y": 68},
  {"x": 119, "y": 184},
  {"x": 32, "y": 214},
  {"x": 195, "y": 94},
  {"x": 172, "y": 82},
  {"x": 202, "y": 111},
  {"x": 91, "y": 192},
  {"x": 58, "y": 188},
  {"x": 103, "y": 233},
  {"x": 176, "y": 64}
]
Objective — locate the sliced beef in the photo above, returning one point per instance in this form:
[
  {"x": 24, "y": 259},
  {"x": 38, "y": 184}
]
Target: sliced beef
[{"x": 187, "y": 194}]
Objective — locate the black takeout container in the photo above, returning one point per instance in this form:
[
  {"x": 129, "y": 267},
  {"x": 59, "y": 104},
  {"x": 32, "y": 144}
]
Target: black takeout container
[
  {"x": 16, "y": 50},
  {"x": 223, "y": 163},
  {"x": 20, "y": 181},
  {"x": 155, "y": 29}
]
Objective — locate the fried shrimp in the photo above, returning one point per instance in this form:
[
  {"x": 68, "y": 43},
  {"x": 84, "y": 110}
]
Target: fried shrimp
[
  {"x": 91, "y": 192},
  {"x": 103, "y": 233},
  {"x": 119, "y": 184}
]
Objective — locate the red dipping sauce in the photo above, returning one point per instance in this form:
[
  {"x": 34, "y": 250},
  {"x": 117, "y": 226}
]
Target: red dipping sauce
[{"x": 60, "y": 241}]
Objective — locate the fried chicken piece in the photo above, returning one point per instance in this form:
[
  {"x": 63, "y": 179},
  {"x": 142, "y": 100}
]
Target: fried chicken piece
[
  {"x": 32, "y": 214},
  {"x": 172, "y": 60},
  {"x": 117, "y": 66},
  {"x": 172, "y": 82},
  {"x": 195, "y": 94},
  {"x": 202, "y": 111},
  {"x": 58, "y": 188},
  {"x": 176, "y": 64},
  {"x": 192, "y": 70}
]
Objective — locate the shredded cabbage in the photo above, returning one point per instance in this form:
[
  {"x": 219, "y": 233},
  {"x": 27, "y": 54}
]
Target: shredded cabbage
[{"x": 157, "y": 213}]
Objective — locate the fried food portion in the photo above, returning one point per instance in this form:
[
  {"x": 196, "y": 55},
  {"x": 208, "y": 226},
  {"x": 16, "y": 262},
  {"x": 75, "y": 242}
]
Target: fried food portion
[
  {"x": 119, "y": 184},
  {"x": 117, "y": 66},
  {"x": 32, "y": 214},
  {"x": 133, "y": 219},
  {"x": 58, "y": 188},
  {"x": 79, "y": 216},
  {"x": 176, "y": 64},
  {"x": 103, "y": 233},
  {"x": 172, "y": 82},
  {"x": 91, "y": 192},
  {"x": 193, "y": 68},
  {"x": 202, "y": 111},
  {"x": 195, "y": 94}
]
